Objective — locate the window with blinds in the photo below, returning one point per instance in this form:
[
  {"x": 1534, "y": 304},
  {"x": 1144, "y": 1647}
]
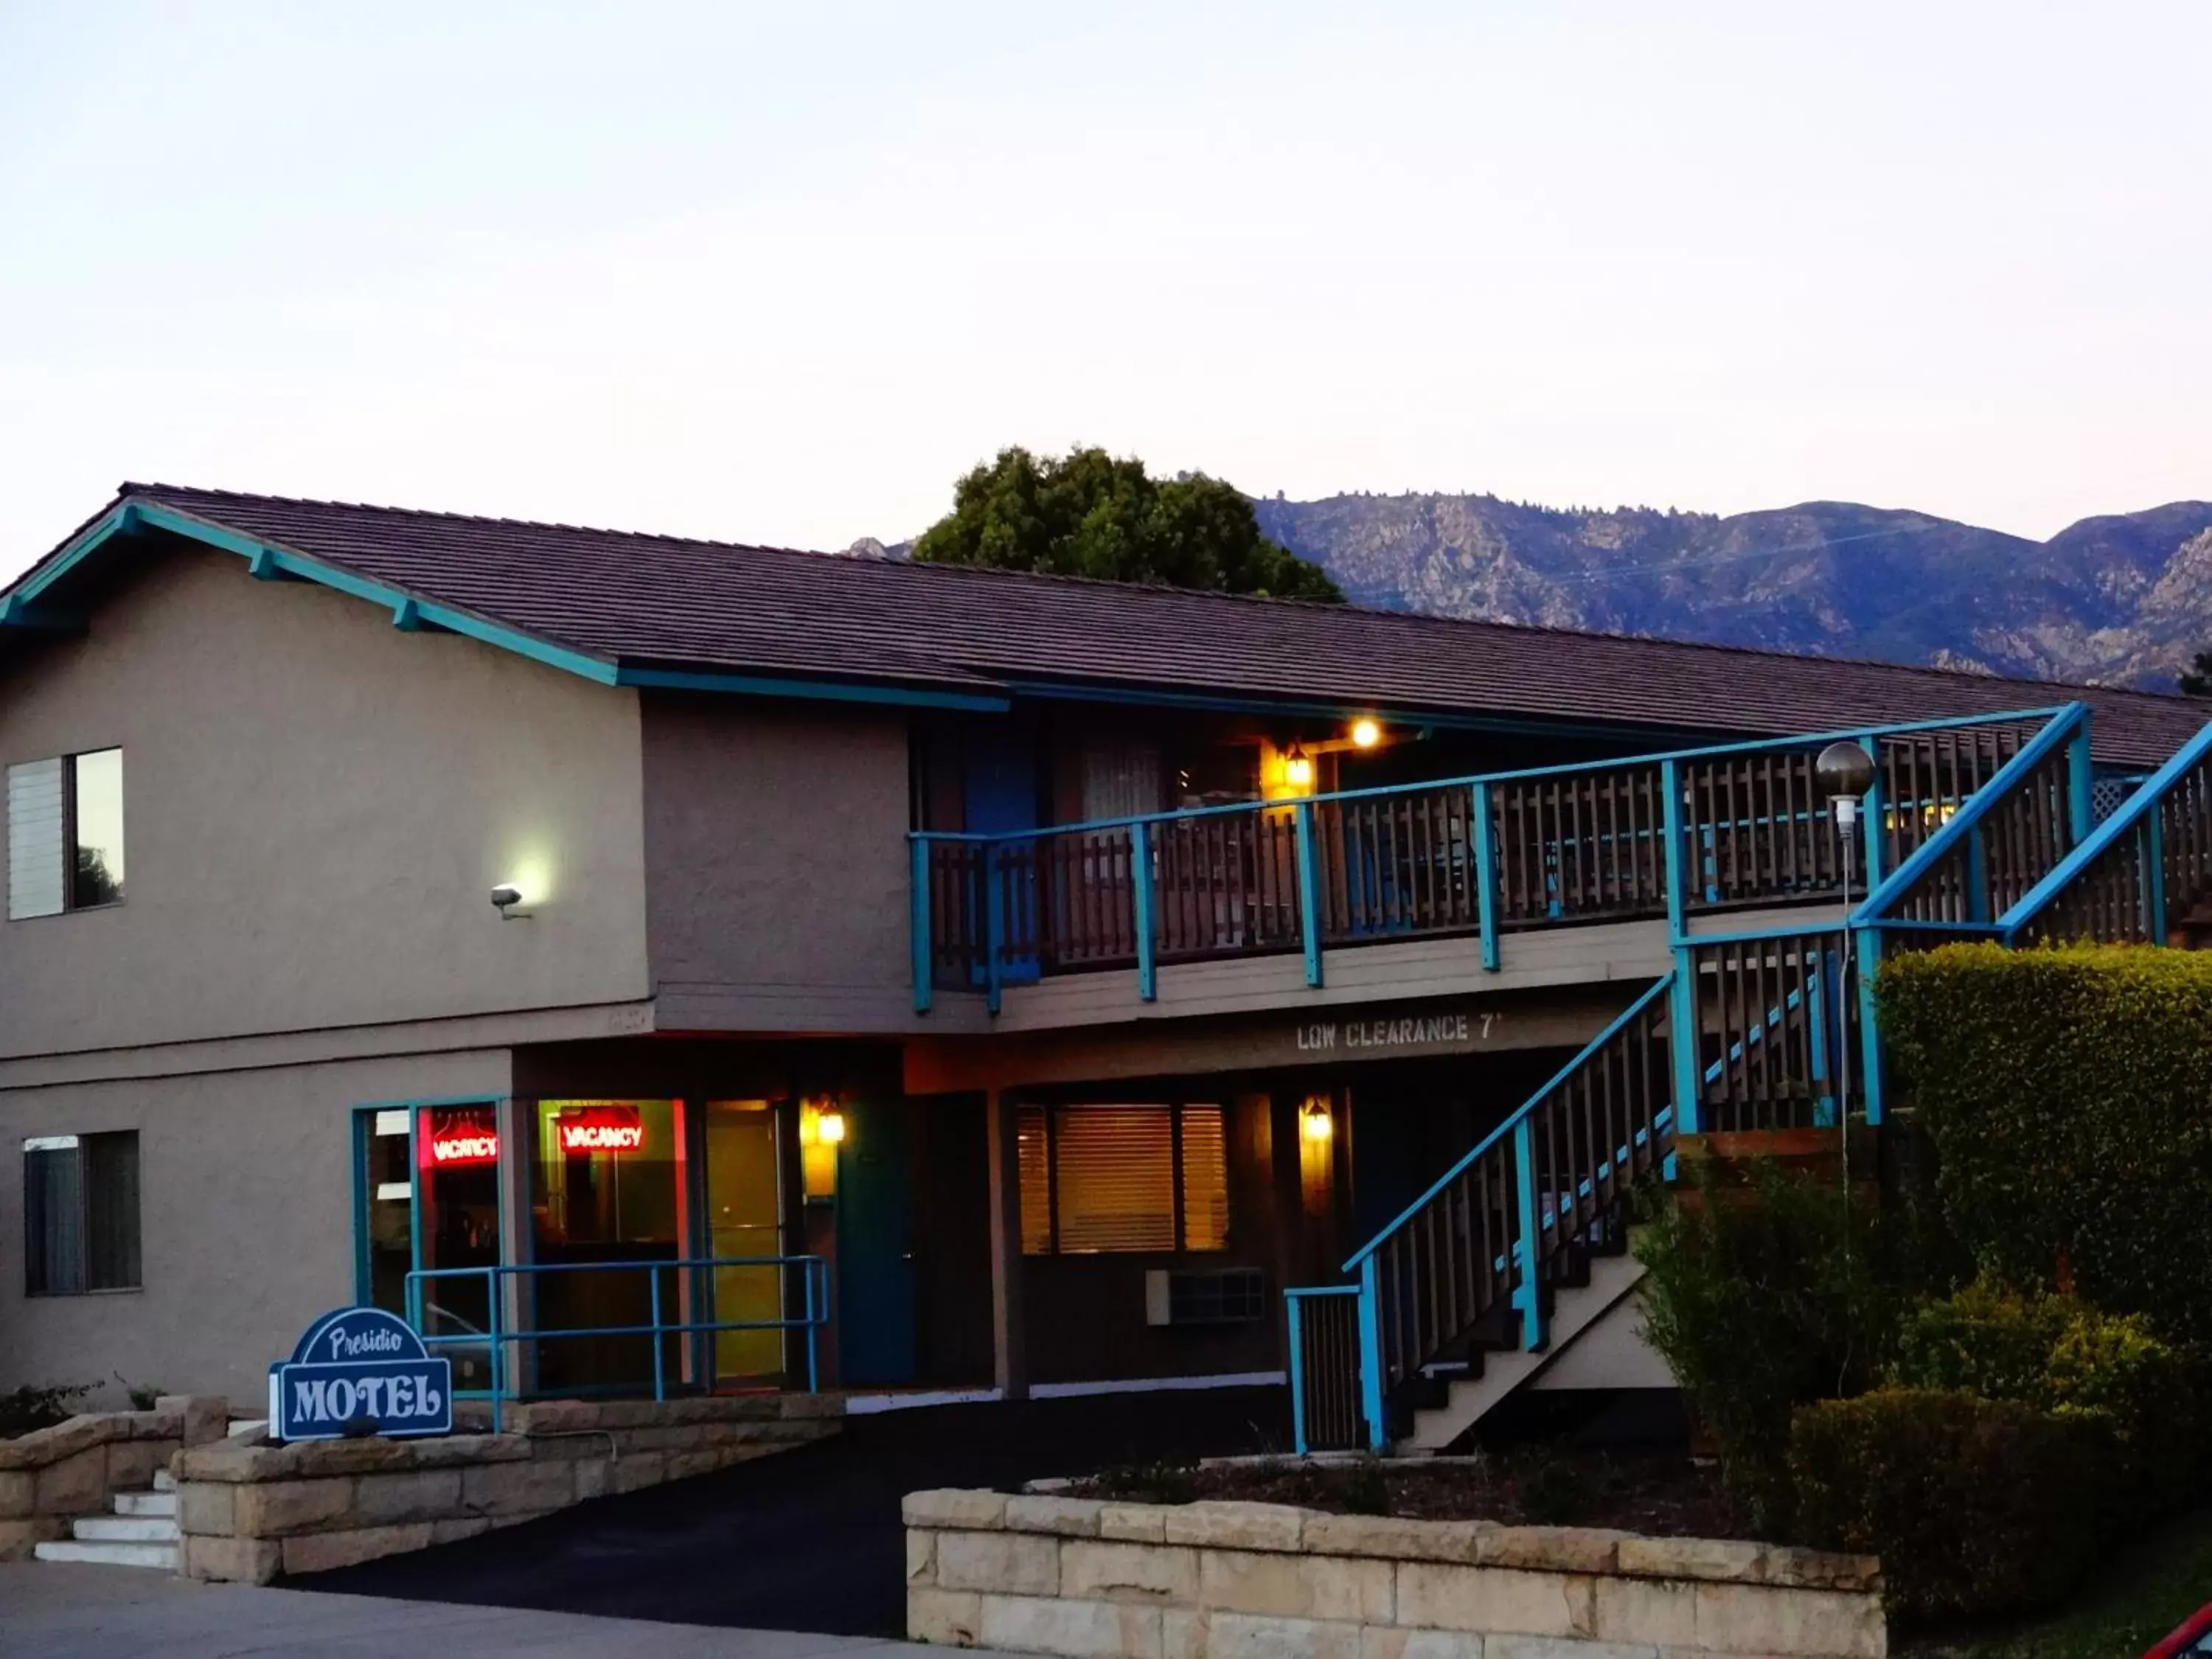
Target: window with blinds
[
  {"x": 65, "y": 834},
  {"x": 1123, "y": 1179}
]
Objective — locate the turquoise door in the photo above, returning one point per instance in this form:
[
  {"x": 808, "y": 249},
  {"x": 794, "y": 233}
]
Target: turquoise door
[
  {"x": 875, "y": 1247},
  {"x": 1000, "y": 795}
]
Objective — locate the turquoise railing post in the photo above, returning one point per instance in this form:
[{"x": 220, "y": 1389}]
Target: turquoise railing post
[
  {"x": 813, "y": 1364},
  {"x": 495, "y": 1296},
  {"x": 1309, "y": 890},
  {"x": 1141, "y": 901},
  {"x": 659, "y": 1380},
  {"x": 919, "y": 923},
  {"x": 2081, "y": 785},
  {"x": 1820, "y": 1007},
  {"x": 1485, "y": 876},
  {"x": 1977, "y": 877},
  {"x": 995, "y": 927},
  {"x": 1293, "y": 1307},
  {"x": 1670, "y": 791},
  {"x": 1873, "y": 810},
  {"x": 1370, "y": 1354},
  {"x": 1528, "y": 1295}
]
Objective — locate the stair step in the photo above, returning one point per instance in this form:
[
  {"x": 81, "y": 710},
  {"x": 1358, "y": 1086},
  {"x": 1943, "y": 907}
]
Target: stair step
[
  {"x": 146, "y": 1503},
  {"x": 164, "y": 1481},
  {"x": 163, "y": 1556},
  {"x": 124, "y": 1529}
]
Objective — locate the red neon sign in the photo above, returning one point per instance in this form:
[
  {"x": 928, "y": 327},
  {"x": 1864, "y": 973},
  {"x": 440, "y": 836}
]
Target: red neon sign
[
  {"x": 601, "y": 1129},
  {"x": 457, "y": 1143}
]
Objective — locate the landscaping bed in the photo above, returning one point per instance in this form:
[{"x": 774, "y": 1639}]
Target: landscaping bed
[{"x": 1657, "y": 1491}]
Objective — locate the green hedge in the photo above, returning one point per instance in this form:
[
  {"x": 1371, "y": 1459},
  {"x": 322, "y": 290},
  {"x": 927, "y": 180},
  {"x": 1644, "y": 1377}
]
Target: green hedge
[
  {"x": 1975, "y": 1506},
  {"x": 2070, "y": 1097}
]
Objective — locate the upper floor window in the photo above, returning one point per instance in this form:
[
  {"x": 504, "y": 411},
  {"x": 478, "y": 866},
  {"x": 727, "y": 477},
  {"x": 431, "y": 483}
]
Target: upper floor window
[
  {"x": 80, "y": 1213},
  {"x": 65, "y": 834}
]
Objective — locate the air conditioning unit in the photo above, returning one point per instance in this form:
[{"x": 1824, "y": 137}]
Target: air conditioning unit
[{"x": 1212, "y": 1295}]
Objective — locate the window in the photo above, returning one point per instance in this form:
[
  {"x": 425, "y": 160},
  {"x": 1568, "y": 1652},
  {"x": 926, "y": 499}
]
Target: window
[
  {"x": 80, "y": 1213},
  {"x": 65, "y": 834},
  {"x": 1101, "y": 1179}
]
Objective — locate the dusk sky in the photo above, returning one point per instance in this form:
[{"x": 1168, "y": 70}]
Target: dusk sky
[{"x": 782, "y": 273}]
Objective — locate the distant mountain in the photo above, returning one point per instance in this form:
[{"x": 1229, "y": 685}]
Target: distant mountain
[{"x": 2123, "y": 600}]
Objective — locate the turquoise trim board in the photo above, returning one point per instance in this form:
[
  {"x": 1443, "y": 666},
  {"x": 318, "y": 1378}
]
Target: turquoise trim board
[{"x": 413, "y": 613}]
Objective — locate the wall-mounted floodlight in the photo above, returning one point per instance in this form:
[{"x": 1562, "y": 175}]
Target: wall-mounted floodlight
[{"x": 504, "y": 898}]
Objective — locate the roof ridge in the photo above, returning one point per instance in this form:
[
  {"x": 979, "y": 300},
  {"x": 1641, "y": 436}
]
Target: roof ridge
[{"x": 129, "y": 489}]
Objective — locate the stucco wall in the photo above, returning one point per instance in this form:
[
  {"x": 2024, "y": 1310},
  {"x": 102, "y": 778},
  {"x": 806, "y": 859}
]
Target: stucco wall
[
  {"x": 777, "y": 859},
  {"x": 316, "y": 807},
  {"x": 245, "y": 1220}
]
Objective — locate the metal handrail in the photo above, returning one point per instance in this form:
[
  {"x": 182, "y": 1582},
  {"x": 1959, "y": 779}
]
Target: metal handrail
[
  {"x": 2065, "y": 724},
  {"x": 2146, "y": 798},
  {"x": 1753, "y": 745},
  {"x": 814, "y": 1276}
]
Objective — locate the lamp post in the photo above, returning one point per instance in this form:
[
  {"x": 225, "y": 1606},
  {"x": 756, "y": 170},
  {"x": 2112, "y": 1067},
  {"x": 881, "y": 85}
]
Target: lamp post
[{"x": 1845, "y": 772}]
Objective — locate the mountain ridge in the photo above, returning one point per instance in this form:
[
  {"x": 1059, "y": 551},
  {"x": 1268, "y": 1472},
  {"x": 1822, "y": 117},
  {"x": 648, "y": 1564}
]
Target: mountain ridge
[{"x": 2113, "y": 599}]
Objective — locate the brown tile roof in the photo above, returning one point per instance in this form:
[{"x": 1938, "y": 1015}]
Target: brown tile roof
[{"x": 664, "y": 602}]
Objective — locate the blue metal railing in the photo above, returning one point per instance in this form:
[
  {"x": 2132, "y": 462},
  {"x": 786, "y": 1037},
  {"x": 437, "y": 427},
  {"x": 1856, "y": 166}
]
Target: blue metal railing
[
  {"x": 980, "y": 884},
  {"x": 2133, "y": 837},
  {"x": 813, "y": 1274}
]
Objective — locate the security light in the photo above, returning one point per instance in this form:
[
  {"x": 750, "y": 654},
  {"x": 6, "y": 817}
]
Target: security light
[
  {"x": 504, "y": 898},
  {"x": 1365, "y": 733}
]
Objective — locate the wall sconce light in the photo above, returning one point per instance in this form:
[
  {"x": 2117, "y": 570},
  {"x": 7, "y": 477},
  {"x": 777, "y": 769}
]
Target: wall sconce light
[
  {"x": 1314, "y": 1122},
  {"x": 821, "y": 1131},
  {"x": 504, "y": 898},
  {"x": 829, "y": 1127},
  {"x": 1365, "y": 733},
  {"x": 1298, "y": 768}
]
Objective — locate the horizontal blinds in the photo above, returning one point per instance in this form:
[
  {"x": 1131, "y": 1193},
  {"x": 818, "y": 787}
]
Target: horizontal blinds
[
  {"x": 1033, "y": 1156},
  {"x": 1115, "y": 1166},
  {"x": 1205, "y": 1179},
  {"x": 34, "y": 839}
]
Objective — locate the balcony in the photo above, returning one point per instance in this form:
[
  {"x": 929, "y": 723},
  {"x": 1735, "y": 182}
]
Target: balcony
[{"x": 1675, "y": 837}]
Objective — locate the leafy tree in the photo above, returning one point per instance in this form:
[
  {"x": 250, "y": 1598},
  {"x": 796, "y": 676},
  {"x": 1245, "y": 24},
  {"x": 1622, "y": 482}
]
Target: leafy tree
[
  {"x": 1093, "y": 514},
  {"x": 2196, "y": 679}
]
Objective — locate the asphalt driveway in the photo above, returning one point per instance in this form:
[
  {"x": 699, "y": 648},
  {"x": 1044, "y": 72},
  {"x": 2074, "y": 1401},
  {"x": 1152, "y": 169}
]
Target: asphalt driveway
[{"x": 809, "y": 1540}]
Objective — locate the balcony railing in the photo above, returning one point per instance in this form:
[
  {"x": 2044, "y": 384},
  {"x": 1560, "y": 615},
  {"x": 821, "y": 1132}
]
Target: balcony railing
[{"x": 1726, "y": 828}]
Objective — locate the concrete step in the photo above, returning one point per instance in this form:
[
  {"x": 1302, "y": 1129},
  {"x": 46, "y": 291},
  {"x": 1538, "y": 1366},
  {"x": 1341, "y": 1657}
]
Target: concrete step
[
  {"x": 164, "y": 1481},
  {"x": 124, "y": 1529},
  {"x": 146, "y": 1503},
  {"x": 163, "y": 1556}
]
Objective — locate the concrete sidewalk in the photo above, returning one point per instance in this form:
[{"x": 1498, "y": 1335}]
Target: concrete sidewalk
[{"x": 50, "y": 1610}]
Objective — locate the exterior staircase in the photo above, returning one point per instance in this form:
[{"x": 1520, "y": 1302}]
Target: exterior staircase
[
  {"x": 1744, "y": 1049},
  {"x": 141, "y": 1531}
]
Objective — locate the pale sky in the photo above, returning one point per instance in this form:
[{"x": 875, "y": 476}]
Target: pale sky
[{"x": 781, "y": 272}]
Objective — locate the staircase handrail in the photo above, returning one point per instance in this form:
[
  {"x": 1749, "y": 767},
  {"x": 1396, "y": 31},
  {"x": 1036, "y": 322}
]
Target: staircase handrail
[
  {"x": 2147, "y": 798},
  {"x": 2064, "y": 724},
  {"x": 1658, "y": 989}
]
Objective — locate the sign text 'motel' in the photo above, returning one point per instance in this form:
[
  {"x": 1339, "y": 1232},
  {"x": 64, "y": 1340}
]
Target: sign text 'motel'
[{"x": 359, "y": 1370}]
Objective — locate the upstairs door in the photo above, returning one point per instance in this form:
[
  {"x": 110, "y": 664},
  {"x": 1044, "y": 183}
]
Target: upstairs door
[{"x": 999, "y": 794}]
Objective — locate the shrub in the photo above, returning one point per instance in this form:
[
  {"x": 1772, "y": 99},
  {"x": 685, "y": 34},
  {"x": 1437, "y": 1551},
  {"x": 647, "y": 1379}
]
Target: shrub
[
  {"x": 2066, "y": 1093},
  {"x": 1759, "y": 1301},
  {"x": 2057, "y": 1354},
  {"x": 29, "y": 1408},
  {"x": 1974, "y": 1505}
]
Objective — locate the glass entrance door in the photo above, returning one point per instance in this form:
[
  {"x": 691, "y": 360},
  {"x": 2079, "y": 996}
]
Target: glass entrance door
[
  {"x": 430, "y": 1199},
  {"x": 745, "y": 1219}
]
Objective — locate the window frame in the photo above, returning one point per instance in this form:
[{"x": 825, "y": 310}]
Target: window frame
[
  {"x": 67, "y": 852},
  {"x": 88, "y": 1233},
  {"x": 1049, "y": 1113}
]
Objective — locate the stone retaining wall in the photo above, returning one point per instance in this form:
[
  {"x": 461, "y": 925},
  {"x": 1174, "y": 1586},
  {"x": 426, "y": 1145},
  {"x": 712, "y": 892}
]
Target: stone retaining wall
[
  {"x": 1088, "y": 1579},
  {"x": 248, "y": 1511},
  {"x": 50, "y": 1476}
]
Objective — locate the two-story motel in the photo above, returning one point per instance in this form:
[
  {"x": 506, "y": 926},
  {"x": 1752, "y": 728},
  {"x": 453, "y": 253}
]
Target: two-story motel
[{"x": 977, "y": 980}]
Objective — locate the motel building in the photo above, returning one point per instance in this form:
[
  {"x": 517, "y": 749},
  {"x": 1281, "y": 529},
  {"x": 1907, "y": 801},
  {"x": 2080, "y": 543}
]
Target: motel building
[{"x": 647, "y": 965}]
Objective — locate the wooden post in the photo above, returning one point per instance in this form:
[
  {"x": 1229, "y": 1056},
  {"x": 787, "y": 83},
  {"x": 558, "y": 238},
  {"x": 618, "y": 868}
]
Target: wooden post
[{"x": 1009, "y": 1349}]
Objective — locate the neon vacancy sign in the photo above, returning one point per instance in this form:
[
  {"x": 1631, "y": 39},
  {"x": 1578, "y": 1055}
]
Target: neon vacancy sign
[
  {"x": 600, "y": 1129},
  {"x": 458, "y": 1142}
]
